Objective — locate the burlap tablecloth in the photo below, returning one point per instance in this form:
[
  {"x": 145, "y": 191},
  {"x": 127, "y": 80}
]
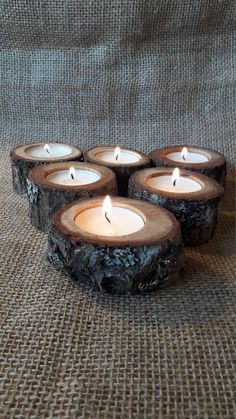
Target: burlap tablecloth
[{"x": 143, "y": 73}]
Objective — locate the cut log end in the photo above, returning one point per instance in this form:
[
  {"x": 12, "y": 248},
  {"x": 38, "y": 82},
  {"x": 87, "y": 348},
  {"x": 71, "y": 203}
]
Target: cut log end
[
  {"x": 22, "y": 163},
  {"x": 214, "y": 168},
  {"x": 45, "y": 198},
  {"x": 197, "y": 216},
  {"x": 123, "y": 171}
]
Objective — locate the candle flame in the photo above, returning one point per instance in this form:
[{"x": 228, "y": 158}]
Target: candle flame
[
  {"x": 107, "y": 208},
  {"x": 117, "y": 152},
  {"x": 47, "y": 148},
  {"x": 175, "y": 176},
  {"x": 72, "y": 172},
  {"x": 184, "y": 153}
]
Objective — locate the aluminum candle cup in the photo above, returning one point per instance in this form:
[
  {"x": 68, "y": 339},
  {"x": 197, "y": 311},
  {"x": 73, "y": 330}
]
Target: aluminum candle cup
[
  {"x": 192, "y": 198},
  {"x": 118, "y": 245},
  {"x": 201, "y": 160},
  {"x": 26, "y": 157},
  {"x": 50, "y": 187},
  {"x": 123, "y": 161}
]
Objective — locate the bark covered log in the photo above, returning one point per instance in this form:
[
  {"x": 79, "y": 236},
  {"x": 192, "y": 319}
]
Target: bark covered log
[
  {"x": 117, "y": 270},
  {"x": 20, "y": 170},
  {"x": 123, "y": 171},
  {"x": 45, "y": 198},
  {"x": 136, "y": 266},
  {"x": 21, "y": 165},
  {"x": 197, "y": 216},
  {"x": 214, "y": 168}
]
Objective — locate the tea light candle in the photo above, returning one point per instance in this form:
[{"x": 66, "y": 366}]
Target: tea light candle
[
  {"x": 119, "y": 245},
  {"x": 193, "y": 198},
  {"x": 200, "y": 160},
  {"x": 50, "y": 187},
  {"x": 122, "y": 161},
  {"x": 118, "y": 221},
  {"x": 188, "y": 156},
  {"x": 118, "y": 156},
  {"x": 174, "y": 183},
  {"x": 74, "y": 176},
  {"x": 48, "y": 151},
  {"x": 26, "y": 157}
]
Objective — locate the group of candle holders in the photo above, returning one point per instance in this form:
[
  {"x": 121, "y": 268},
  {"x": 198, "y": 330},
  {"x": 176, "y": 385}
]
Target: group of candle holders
[{"x": 118, "y": 218}]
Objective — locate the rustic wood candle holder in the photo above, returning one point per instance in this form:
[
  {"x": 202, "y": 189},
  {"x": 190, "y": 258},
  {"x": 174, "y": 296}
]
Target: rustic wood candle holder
[
  {"x": 123, "y": 171},
  {"x": 215, "y": 167},
  {"x": 22, "y": 163},
  {"x": 145, "y": 260},
  {"x": 46, "y": 197},
  {"x": 196, "y": 211}
]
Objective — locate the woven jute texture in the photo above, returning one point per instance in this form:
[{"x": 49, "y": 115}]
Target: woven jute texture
[
  {"x": 127, "y": 72},
  {"x": 146, "y": 72}
]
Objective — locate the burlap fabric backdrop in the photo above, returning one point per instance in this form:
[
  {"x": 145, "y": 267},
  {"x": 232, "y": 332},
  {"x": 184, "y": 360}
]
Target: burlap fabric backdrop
[{"x": 138, "y": 73}]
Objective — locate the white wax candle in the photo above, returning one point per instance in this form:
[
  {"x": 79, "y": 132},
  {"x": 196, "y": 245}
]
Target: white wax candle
[
  {"x": 54, "y": 150},
  {"x": 124, "y": 156},
  {"x": 123, "y": 221},
  {"x": 165, "y": 183},
  {"x": 191, "y": 157},
  {"x": 81, "y": 177}
]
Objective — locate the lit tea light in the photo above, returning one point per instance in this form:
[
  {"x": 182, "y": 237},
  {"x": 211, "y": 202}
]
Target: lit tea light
[
  {"x": 183, "y": 155},
  {"x": 188, "y": 157},
  {"x": 174, "y": 183},
  {"x": 27, "y": 156},
  {"x": 117, "y": 156},
  {"x": 123, "y": 161},
  {"x": 48, "y": 151},
  {"x": 197, "y": 159},
  {"x": 60, "y": 183},
  {"x": 74, "y": 177},
  {"x": 190, "y": 196},
  {"x": 109, "y": 220}
]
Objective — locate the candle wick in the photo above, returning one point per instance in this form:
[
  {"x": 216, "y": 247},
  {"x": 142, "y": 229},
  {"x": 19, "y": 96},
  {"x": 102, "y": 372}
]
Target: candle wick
[
  {"x": 72, "y": 176},
  {"x": 174, "y": 183},
  {"x": 106, "y": 216},
  {"x": 183, "y": 157},
  {"x": 47, "y": 150},
  {"x": 117, "y": 156}
]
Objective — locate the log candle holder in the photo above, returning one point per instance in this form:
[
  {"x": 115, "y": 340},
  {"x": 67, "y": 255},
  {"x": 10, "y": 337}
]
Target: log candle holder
[
  {"x": 50, "y": 187},
  {"x": 134, "y": 247},
  {"x": 124, "y": 162},
  {"x": 201, "y": 160},
  {"x": 193, "y": 200},
  {"x": 26, "y": 157}
]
